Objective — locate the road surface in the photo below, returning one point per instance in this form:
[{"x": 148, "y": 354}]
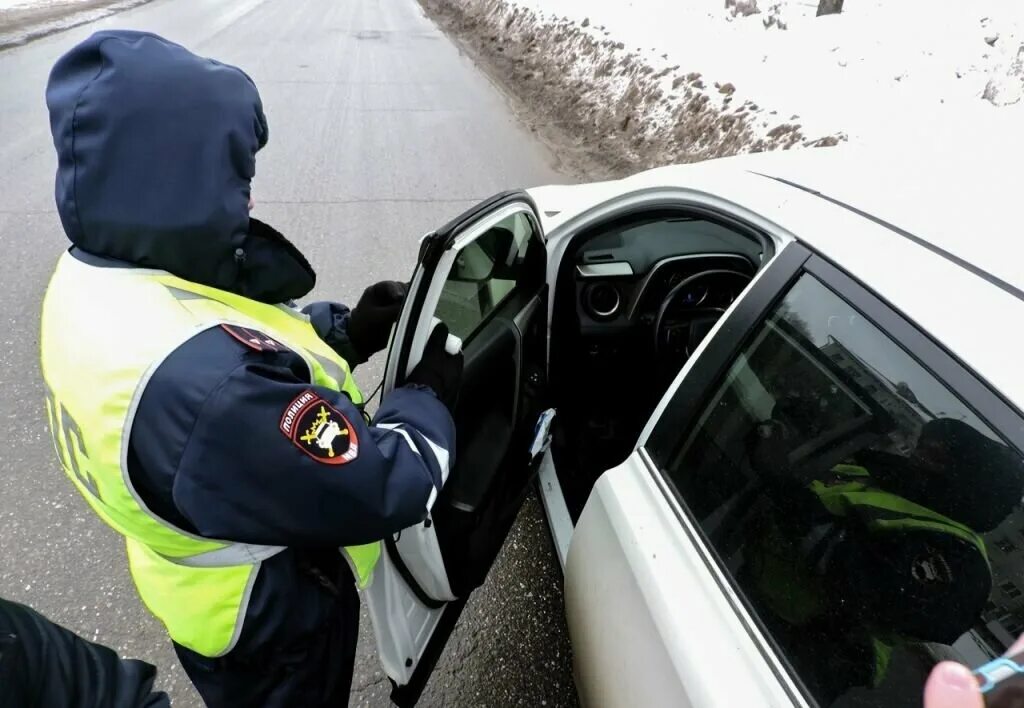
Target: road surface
[{"x": 380, "y": 130}]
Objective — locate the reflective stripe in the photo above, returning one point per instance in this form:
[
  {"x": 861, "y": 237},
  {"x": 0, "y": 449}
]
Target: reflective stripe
[
  {"x": 126, "y": 434},
  {"x": 297, "y": 314},
  {"x": 332, "y": 368},
  {"x": 353, "y": 566},
  {"x": 938, "y": 526},
  {"x": 397, "y": 427},
  {"x": 440, "y": 454},
  {"x": 851, "y": 471},
  {"x": 183, "y": 295},
  {"x": 235, "y": 554},
  {"x": 363, "y": 559},
  {"x": 884, "y": 510},
  {"x": 442, "y": 458},
  {"x": 243, "y": 608}
]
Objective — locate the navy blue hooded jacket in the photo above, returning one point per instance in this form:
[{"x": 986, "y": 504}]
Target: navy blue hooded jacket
[
  {"x": 44, "y": 665},
  {"x": 156, "y": 151}
]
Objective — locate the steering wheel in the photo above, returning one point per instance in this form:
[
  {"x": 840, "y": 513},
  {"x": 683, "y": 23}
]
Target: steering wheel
[{"x": 681, "y": 335}]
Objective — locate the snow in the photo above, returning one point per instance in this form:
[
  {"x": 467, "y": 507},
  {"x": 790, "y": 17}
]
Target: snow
[
  {"x": 882, "y": 71},
  {"x": 26, "y": 4}
]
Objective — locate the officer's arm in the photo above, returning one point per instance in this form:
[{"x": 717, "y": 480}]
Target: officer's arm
[
  {"x": 278, "y": 461},
  {"x": 330, "y": 320},
  {"x": 268, "y": 458},
  {"x": 43, "y": 664}
]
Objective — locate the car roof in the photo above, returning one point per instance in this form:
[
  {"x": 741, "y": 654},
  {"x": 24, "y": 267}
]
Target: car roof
[
  {"x": 935, "y": 236},
  {"x": 966, "y": 208}
]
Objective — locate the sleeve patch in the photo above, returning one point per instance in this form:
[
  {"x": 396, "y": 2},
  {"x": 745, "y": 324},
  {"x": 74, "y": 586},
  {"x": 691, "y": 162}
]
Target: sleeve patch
[
  {"x": 320, "y": 430},
  {"x": 254, "y": 339}
]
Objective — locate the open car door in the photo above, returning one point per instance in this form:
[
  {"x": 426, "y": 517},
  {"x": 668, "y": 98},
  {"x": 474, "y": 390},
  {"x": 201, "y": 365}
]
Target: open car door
[{"x": 483, "y": 275}]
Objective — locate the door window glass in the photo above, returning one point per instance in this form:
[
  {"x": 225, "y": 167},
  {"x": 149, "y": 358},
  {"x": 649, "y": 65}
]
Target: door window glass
[
  {"x": 484, "y": 274},
  {"x": 871, "y": 520}
]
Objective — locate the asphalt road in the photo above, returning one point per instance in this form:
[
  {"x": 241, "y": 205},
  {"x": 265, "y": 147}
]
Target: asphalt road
[{"x": 380, "y": 131}]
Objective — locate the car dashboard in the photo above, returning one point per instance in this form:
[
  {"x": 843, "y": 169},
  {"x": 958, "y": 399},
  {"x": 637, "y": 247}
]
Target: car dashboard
[
  {"x": 610, "y": 297},
  {"x": 622, "y": 275}
]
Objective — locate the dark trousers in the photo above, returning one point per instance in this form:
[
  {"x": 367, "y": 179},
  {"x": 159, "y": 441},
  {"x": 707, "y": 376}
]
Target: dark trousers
[{"x": 315, "y": 674}]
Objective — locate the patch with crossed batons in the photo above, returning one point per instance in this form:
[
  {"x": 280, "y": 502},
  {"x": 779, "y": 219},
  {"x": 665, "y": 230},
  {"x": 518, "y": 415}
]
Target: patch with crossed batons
[{"x": 320, "y": 430}]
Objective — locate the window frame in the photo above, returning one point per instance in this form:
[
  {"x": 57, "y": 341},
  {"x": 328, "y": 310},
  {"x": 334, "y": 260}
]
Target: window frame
[
  {"x": 691, "y": 394},
  {"x": 436, "y": 251},
  {"x": 535, "y": 240}
]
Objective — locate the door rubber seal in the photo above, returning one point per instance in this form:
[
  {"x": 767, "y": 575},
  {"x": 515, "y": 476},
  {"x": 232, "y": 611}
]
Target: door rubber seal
[{"x": 407, "y": 576}]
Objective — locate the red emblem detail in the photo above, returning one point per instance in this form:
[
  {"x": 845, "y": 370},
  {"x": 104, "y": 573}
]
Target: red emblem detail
[
  {"x": 320, "y": 430},
  {"x": 254, "y": 339}
]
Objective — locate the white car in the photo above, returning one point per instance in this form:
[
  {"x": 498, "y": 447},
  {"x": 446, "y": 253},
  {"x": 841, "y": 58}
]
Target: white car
[{"x": 723, "y": 345}]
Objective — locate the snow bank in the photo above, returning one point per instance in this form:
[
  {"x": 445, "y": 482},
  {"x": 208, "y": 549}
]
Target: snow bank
[
  {"x": 24, "y": 4},
  {"x": 608, "y": 108},
  {"x": 22, "y": 21},
  {"x": 883, "y": 70}
]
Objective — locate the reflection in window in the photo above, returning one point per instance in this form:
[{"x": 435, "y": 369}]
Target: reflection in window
[
  {"x": 484, "y": 275},
  {"x": 855, "y": 499},
  {"x": 1005, "y": 546},
  {"x": 1014, "y": 626},
  {"x": 1010, "y": 590}
]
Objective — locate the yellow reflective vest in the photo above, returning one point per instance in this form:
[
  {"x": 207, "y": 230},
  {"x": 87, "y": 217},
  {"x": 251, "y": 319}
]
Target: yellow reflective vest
[
  {"x": 104, "y": 332},
  {"x": 797, "y": 593}
]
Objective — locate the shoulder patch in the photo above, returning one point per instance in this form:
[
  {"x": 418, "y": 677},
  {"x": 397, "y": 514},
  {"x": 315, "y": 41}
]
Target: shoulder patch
[
  {"x": 254, "y": 339},
  {"x": 320, "y": 430}
]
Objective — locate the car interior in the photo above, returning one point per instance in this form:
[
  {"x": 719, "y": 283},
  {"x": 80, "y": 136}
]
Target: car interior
[{"x": 633, "y": 299}]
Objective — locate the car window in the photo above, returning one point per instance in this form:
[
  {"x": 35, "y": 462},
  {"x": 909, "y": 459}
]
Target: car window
[
  {"x": 484, "y": 274},
  {"x": 870, "y": 519}
]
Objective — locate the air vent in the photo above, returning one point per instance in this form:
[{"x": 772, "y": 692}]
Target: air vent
[{"x": 601, "y": 301}]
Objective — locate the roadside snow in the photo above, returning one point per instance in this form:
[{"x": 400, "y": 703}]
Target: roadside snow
[
  {"x": 22, "y": 21},
  {"x": 24, "y": 4},
  {"x": 883, "y": 70}
]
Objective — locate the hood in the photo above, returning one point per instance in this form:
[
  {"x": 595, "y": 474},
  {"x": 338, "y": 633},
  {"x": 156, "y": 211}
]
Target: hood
[{"x": 156, "y": 149}]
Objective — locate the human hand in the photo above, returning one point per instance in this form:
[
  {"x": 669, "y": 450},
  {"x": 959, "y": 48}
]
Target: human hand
[
  {"x": 439, "y": 370},
  {"x": 374, "y": 315},
  {"x": 952, "y": 685}
]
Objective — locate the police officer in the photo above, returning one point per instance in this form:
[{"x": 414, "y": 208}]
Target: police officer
[
  {"x": 219, "y": 430},
  {"x": 877, "y": 552}
]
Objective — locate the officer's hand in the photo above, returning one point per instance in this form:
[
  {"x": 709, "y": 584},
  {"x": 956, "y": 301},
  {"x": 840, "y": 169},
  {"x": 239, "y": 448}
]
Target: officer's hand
[
  {"x": 372, "y": 318},
  {"x": 952, "y": 685},
  {"x": 438, "y": 369}
]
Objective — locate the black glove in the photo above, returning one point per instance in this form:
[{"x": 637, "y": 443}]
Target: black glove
[
  {"x": 372, "y": 318},
  {"x": 438, "y": 369}
]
